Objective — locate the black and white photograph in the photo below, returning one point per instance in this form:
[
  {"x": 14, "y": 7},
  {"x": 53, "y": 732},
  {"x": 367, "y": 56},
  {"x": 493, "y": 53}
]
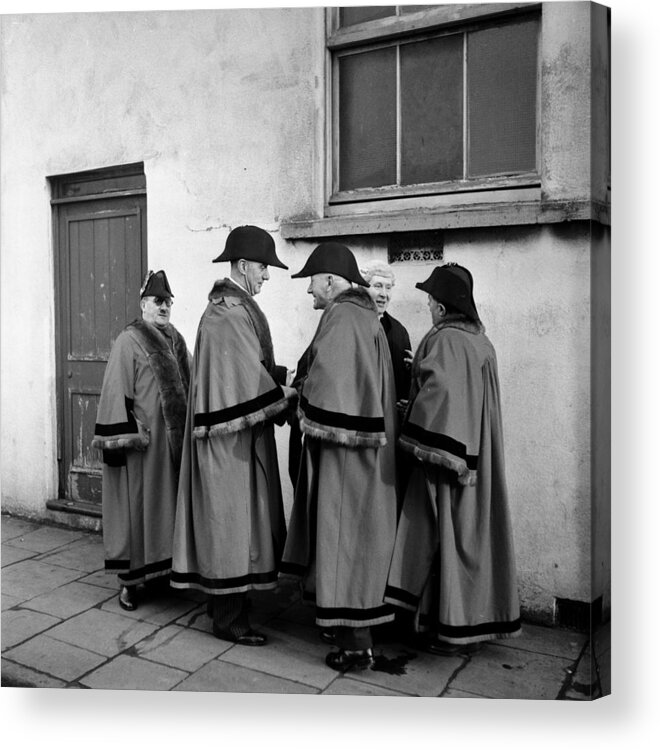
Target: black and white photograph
[{"x": 306, "y": 351}]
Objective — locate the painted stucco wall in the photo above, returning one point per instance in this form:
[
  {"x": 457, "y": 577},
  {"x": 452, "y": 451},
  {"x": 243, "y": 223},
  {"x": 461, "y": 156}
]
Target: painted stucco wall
[{"x": 225, "y": 109}]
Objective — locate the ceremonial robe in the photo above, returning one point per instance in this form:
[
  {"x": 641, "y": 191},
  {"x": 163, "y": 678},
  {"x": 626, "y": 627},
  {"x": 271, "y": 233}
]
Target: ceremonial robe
[
  {"x": 139, "y": 428},
  {"x": 453, "y": 562},
  {"x": 230, "y": 528},
  {"x": 343, "y": 520}
]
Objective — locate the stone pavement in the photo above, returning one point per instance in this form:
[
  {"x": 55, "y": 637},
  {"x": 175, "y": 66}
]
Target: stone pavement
[{"x": 63, "y": 628}]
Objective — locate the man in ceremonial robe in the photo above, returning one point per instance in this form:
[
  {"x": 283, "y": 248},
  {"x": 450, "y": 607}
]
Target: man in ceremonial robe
[
  {"x": 343, "y": 520},
  {"x": 230, "y": 528},
  {"x": 139, "y": 427},
  {"x": 453, "y": 564}
]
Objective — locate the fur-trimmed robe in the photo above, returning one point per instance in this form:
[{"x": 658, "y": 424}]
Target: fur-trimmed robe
[
  {"x": 453, "y": 561},
  {"x": 229, "y": 530},
  {"x": 343, "y": 521},
  {"x": 139, "y": 428}
]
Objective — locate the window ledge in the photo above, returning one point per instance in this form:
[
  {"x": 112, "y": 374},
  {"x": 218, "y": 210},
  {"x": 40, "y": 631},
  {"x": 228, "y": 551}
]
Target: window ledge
[{"x": 448, "y": 217}]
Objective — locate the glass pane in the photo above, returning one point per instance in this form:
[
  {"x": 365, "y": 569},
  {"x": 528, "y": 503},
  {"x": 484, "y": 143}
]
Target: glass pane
[
  {"x": 360, "y": 14},
  {"x": 502, "y": 73},
  {"x": 432, "y": 110},
  {"x": 367, "y": 119}
]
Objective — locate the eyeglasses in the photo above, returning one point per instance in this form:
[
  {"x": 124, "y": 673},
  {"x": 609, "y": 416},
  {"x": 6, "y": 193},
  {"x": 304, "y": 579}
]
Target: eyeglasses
[{"x": 158, "y": 301}]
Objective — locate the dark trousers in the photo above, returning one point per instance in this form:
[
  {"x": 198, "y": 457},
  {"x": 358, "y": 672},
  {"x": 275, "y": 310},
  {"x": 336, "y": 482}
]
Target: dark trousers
[
  {"x": 230, "y": 613},
  {"x": 353, "y": 639}
]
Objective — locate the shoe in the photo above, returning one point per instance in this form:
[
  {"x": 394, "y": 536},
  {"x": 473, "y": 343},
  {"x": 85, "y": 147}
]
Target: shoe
[
  {"x": 346, "y": 661},
  {"x": 327, "y": 636},
  {"x": 127, "y": 598},
  {"x": 251, "y": 638}
]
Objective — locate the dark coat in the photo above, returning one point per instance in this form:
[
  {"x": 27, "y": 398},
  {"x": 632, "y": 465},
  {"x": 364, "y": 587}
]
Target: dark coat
[{"x": 398, "y": 340}]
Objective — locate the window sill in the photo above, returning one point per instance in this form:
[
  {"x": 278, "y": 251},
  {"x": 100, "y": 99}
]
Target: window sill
[{"x": 509, "y": 213}]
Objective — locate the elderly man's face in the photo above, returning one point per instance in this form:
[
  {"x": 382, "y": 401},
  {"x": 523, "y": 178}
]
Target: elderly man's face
[
  {"x": 156, "y": 310},
  {"x": 255, "y": 275},
  {"x": 380, "y": 291},
  {"x": 320, "y": 287}
]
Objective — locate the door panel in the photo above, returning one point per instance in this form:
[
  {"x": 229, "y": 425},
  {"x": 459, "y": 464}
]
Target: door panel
[{"x": 102, "y": 261}]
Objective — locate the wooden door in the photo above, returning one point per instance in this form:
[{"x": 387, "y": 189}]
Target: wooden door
[{"x": 101, "y": 258}]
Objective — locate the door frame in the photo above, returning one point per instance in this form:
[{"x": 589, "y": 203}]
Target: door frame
[{"x": 82, "y": 187}]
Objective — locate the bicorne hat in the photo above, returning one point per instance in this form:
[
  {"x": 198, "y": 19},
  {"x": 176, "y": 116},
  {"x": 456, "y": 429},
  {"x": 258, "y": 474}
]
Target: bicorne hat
[
  {"x": 156, "y": 285},
  {"x": 451, "y": 284},
  {"x": 332, "y": 257},
  {"x": 250, "y": 243}
]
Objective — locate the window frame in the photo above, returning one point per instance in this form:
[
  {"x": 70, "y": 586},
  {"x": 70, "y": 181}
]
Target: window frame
[{"x": 384, "y": 32}]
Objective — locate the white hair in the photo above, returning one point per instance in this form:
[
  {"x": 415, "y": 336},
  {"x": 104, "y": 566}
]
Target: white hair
[{"x": 377, "y": 268}]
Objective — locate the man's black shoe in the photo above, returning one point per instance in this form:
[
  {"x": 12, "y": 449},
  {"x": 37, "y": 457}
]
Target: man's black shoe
[
  {"x": 127, "y": 596},
  {"x": 346, "y": 661},
  {"x": 251, "y": 638}
]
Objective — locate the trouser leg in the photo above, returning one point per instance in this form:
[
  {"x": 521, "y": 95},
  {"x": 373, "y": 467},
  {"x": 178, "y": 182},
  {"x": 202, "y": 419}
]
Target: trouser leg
[
  {"x": 353, "y": 639},
  {"x": 230, "y": 613}
]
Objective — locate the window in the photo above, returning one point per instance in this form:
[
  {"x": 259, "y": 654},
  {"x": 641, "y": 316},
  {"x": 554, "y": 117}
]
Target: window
[{"x": 423, "y": 106}]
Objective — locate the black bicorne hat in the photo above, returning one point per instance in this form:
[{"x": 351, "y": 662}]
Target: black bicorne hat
[
  {"x": 156, "y": 285},
  {"x": 451, "y": 284},
  {"x": 332, "y": 257},
  {"x": 250, "y": 243}
]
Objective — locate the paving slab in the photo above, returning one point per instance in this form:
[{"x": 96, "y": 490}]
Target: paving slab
[
  {"x": 552, "y": 641},
  {"x": 20, "y": 624},
  {"x": 397, "y": 668},
  {"x": 196, "y": 619},
  {"x": 70, "y": 599},
  {"x": 16, "y": 527},
  {"x": 222, "y": 677},
  {"x": 46, "y": 538},
  {"x": 182, "y": 648},
  {"x": 84, "y": 554},
  {"x": 9, "y": 601},
  {"x": 308, "y": 632},
  {"x": 155, "y": 608},
  {"x": 103, "y": 579},
  {"x": 102, "y": 632},
  {"x": 30, "y": 578},
  {"x": 60, "y": 660},
  {"x": 499, "y": 672},
  {"x": 131, "y": 673},
  {"x": 16, "y": 675},
  {"x": 285, "y": 656},
  {"x": 409, "y": 671},
  {"x": 346, "y": 685},
  {"x": 10, "y": 554}
]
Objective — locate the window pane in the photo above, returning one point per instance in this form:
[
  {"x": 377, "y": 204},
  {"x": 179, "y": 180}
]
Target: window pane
[
  {"x": 367, "y": 119},
  {"x": 358, "y": 14},
  {"x": 502, "y": 99},
  {"x": 432, "y": 110}
]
